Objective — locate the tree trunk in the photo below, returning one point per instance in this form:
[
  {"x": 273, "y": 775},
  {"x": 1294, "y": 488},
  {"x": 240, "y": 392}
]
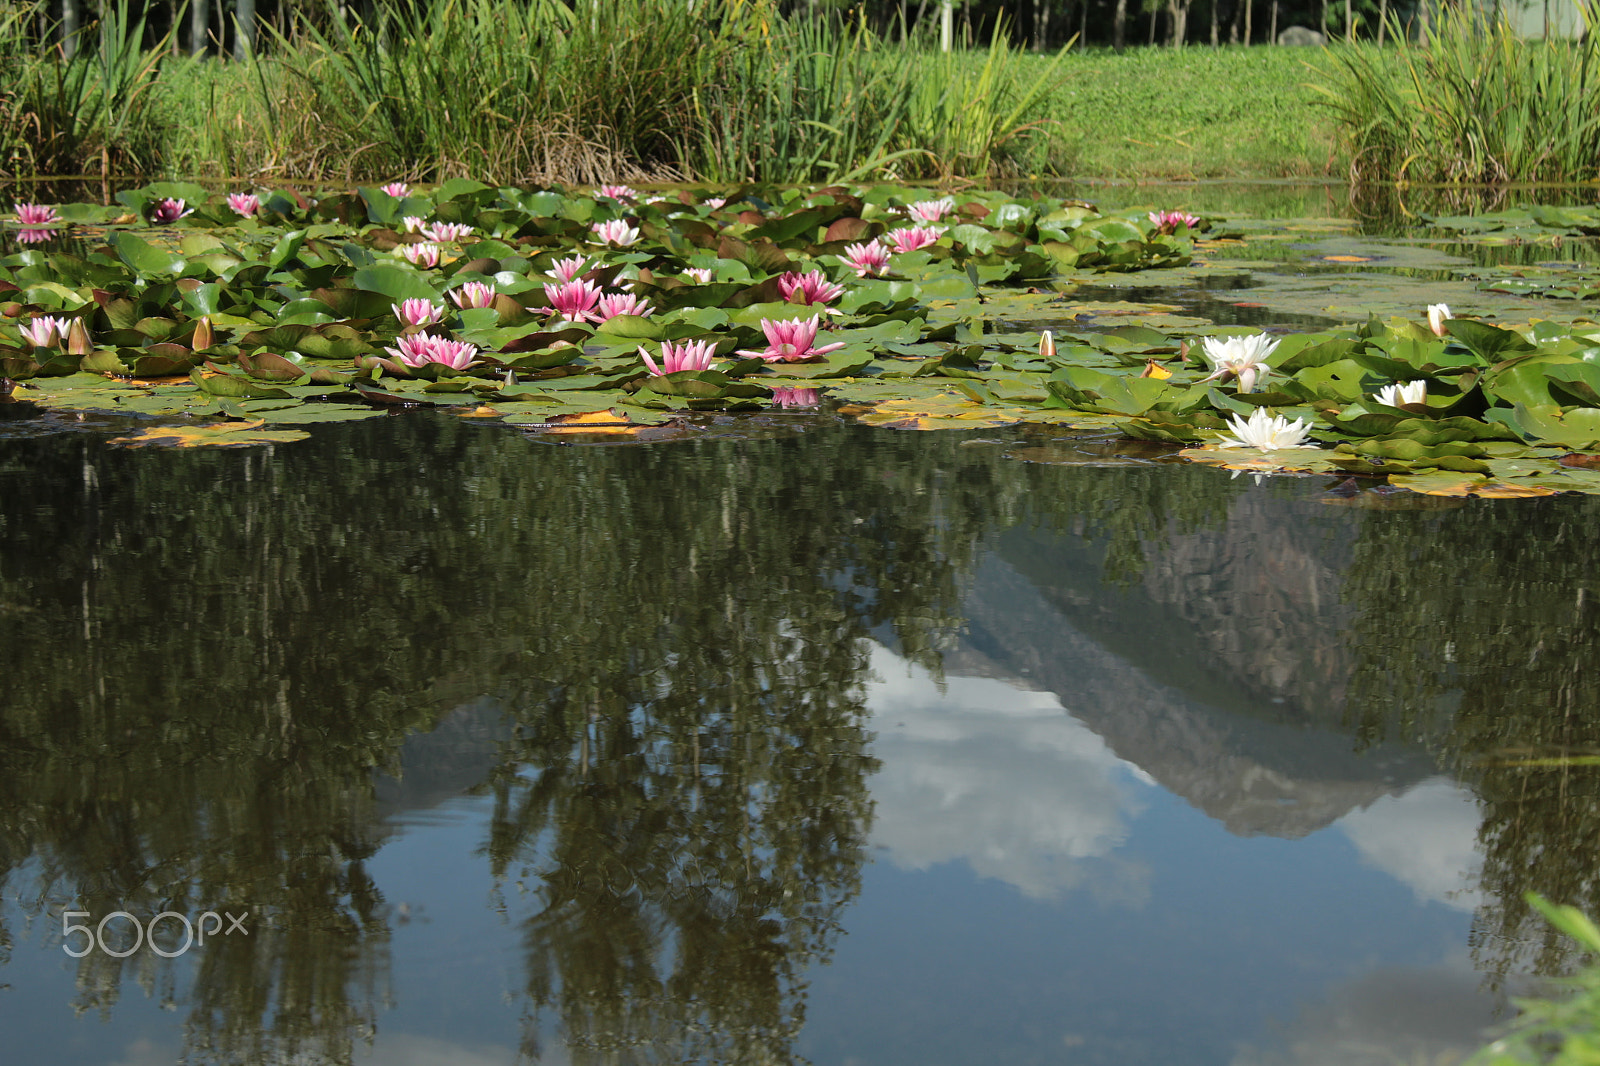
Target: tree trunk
[
  {"x": 1119, "y": 26},
  {"x": 244, "y": 16},
  {"x": 69, "y": 26},
  {"x": 1233, "y": 22},
  {"x": 1152, "y": 40},
  {"x": 1383, "y": 20},
  {"x": 1044, "y": 26},
  {"x": 1273, "y": 39},
  {"x": 1324, "y": 8},
  {"x": 198, "y": 12},
  {"x": 1178, "y": 12},
  {"x": 1349, "y": 23},
  {"x": 1249, "y": 18},
  {"x": 1214, "y": 41}
]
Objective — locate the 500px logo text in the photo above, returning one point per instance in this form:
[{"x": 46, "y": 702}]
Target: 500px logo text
[{"x": 193, "y": 933}]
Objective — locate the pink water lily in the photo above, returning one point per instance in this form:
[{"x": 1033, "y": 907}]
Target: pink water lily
[
  {"x": 397, "y": 189},
  {"x": 810, "y": 288},
  {"x": 793, "y": 396},
  {"x": 791, "y": 341},
  {"x": 565, "y": 270},
  {"x": 412, "y": 224},
  {"x": 574, "y": 301},
  {"x": 617, "y": 192},
  {"x": 244, "y": 204},
  {"x": 473, "y": 294},
  {"x": 34, "y": 236},
  {"x": 715, "y": 202},
  {"x": 931, "y": 210},
  {"x": 694, "y": 355},
  {"x": 699, "y": 275},
  {"x": 866, "y": 259},
  {"x": 422, "y": 255},
  {"x": 1169, "y": 221},
  {"x": 37, "y": 215},
  {"x": 447, "y": 231},
  {"x": 616, "y": 233},
  {"x": 418, "y": 312},
  {"x": 610, "y": 306},
  {"x": 45, "y": 331},
  {"x": 419, "y": 349},
  {"x": 168, "y": 211},
  {"x": 910, "y": 238}
]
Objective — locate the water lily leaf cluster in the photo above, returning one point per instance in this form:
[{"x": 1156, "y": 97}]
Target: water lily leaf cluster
[
  {"x": 1553, "y": 281},
  {"x": 613, "y": 315},
  {"x": 1491, "y": 411},
  {"x": 1524, "y": 223},
  {"x": 523, "y": 304}
]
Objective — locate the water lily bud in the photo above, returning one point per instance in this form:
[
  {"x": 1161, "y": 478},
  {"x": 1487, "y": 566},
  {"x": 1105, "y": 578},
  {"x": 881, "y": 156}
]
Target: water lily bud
[
  {"x": 11, "y": 309},
  {"x": 1047, "y": 345},
  {"x": 1437, "y": 315},
  {"x": 78, "y": 342},
  {"x": 204, "y": 337}
]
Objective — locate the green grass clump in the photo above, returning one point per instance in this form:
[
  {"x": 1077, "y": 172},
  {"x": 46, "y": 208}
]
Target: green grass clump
[{"x": 1562, "y": 1029}]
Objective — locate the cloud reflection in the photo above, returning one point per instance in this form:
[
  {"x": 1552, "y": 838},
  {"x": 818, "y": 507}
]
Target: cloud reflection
[
  {"x": 1427, "y": 839},
  {"x": 1002, "y": 779},
  {"x": 1434, "y": 1014}
]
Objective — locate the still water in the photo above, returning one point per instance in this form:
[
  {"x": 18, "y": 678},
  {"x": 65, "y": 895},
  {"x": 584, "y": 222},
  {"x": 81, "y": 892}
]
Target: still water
[{"x": 790, "y": 741}]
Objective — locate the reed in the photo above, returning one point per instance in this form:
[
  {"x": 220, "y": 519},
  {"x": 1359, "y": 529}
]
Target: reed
[
  {"x": 534, "y": 91},
  {"x": 1471, "y": 102},
  {"x": 92, "y": 111}
]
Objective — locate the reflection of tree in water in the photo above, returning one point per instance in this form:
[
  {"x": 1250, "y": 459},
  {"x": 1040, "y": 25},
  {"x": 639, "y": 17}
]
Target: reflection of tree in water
[
  {"x": 1474, "y": 634},
  {"x": 211, "y": 652}
]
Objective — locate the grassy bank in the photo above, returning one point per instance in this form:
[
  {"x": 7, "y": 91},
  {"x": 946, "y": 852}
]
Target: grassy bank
[
  {"x": 650, "y": 90},
  {"x": 1195, "y": 113}
]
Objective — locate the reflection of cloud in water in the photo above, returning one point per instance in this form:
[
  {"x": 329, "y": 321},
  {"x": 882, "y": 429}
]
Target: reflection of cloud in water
[
  {"x": 1397, "y": 1015},
  {"x": 1426, "y": 839},
  {"x": 1000, "y": 778},
  {"x": 403, "y": 1049}
]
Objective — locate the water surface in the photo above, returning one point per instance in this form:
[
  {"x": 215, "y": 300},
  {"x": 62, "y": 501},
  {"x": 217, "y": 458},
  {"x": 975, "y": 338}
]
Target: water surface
[{"x": 795, "y": 740}]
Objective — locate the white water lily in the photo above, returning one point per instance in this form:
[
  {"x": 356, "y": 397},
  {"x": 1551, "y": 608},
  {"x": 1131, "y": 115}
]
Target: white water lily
[
  {"x": 1437, "y": 313},
  {"x": 1241, "y": 358},
  {"x": 1267, "y": 432},
  {"x": 1397, "y": 394}
]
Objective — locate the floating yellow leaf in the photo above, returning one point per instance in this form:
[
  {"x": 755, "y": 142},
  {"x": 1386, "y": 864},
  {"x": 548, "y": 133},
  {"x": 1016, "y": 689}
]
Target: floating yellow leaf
[
  {"x": 606, "y": 421},
  {"x": 1347, "y": 258},
  {"x": 215, "y": 435},
  {"x": 1153, "y": 369}
]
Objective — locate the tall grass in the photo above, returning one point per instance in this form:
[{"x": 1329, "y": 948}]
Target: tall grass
[
  {"x": 91, "y": 111},
  {"x": 807, "y": 102},
  {"x": 533, "y": 91},
  {"x": 722, "y": 90},
  {"x": 1472, "y": 102},
  {"x": 974, "y": 120}
]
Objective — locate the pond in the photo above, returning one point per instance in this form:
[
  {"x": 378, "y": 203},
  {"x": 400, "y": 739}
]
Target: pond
[
  {"x": 844, "y": 743},
  {"x": 784, "y": 739}
]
